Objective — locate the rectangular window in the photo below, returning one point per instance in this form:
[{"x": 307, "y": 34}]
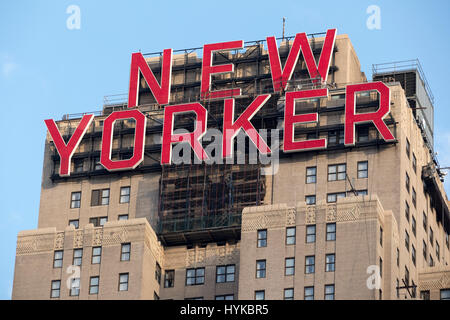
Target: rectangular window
[
  {"x": 413, "y": 225},
  {"x": 362, "y": 134},
  {"x": 309, "y": 293},
  {"x": 93, "y": 285},
  {"x": 158, "y": 273},
  {"x": 55, "y": 289},
  {"x": 381, "y": 236},
  {"x": 431, "y": 236},
  {"x": 288, "y": 294},
  {"x": 446, "y": 240},
  {"x": 445, "y": 294},
  {"x": 329, "y": 292},
  {"x": 413, "y": 254},
  {"x": 125, "y": 195},
  {"x": 310, "y": 264},
  {"x": 75, "y": 287},
  {"x": 425, "y": 221},
  {"x": 225, "y": 297},
  {"x": 407, "y": 211},
  {"x": 125, "y": 252},
  {"x": 58, "y": 259},
  {"x": 407, "y": 240},
  {"x": 96, "y": 255},
  {"x": 123, "y": 281},
  {"x": 195, "y": 276},
  {"x": 78, "y": 165},
  {"x": 330, "y": 262},
  {"x": 333, "y": 197},
  {"x": 407, "y": 183},
  {"x": 225, "y": 273},
  {"x": 425, "y": 295},
  {"x": 260, "y": 268},
  {"x": 75, "y": 200},
  {"x": 414, "y": 163},
  {"x": 169, "y": 278},
  {"x": 100, "y": 197},
  {"x": 398, "y": 257},
  {"x": 260, "y": 295},
  {"x": 414, "y": 197},
  {"x": 408, "y": 148},
  {"x": 311, "y": 175},
  {"x": 310, "y": 200},
  {"x": 123, "y": 217},
  {"x": 337, "y": 172},
  {"x": 381, "y": 267},
  {"x": 406, "y": 275},
  {"x": 262, "y": 238},
  {"x": 75, "y": 223},
  {"x": 424, "y": 250},
  {"x": 335, "y": 137},
  {"x": 289, "y": 266},
  {"x": 363, "y": 170},
  {"x": 77, "y": 257},
  {"x": 98, "y": 221},
  {"x": 97, "y": 164},
  {"x": 311, "y": 233},
  {"x": 431, "y": 261},
  {"x": 438, "y": 251},
  {"x": 290, "y": 235},
  {"x": 331, "y": 231}
]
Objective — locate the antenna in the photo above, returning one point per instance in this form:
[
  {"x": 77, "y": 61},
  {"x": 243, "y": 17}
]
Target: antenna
[{"x": 284, "y": 20}]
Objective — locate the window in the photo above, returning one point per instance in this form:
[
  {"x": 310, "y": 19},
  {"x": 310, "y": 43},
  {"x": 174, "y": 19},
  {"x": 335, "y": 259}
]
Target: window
[
  {"x": 362, "y": 192},
  {"x": 225, "y": 297},
  {"x": 406, "y": 275},
  {"x": 77, "y": 257},
  {"x": 413, "y": 225},
  {"x": 329, "y": 292},
  {"x": 158, "y": 273},
  {"x": 335, "y": 137},
  {"x": 438, "y": 251},
  {"x": 100, "y": 197},
  {"x": 407, "y": 240},
  {"x": 75, "y": 200},
  {"x": 311, "y": 135},
  {"x": 75, "y": 287},
  {"x": 123, "y": 217},
  {"x": 363, "y": 169},
  {"x": 414, "y": 197},
  {"x": 330, "y": 262},
  {"x": 97, "y": 164},
  {"x": 362, "y": 134},
  {"x": 289, "y": 266},
  {"x": 337, "y": 172},
  {"x": 74, "y": 223},
  {"x": 424, "y": 250},
  {"x": 123, "y": 281},
  {"x": 310, "y": 200},
  {"x": 55, "y": 289},
  {"x": 262, "y": 238},
  {"x": 125, "y": 195},
  {"x": 225, "y": 273},
  {"x": 431, "y": 261},
  {"x": 289, "y": 294},
  {"x": 93, "y": 285},
  {"x": 78, "y": 165},
  {"x": 260, "y": 268},
  {"x": 407, "y": 211},
  {"x": 397, "y": 288},
  {"x": 260, "y": 295},
  {"x": 431, "y": 236},
  {"x": 331, "y": 231},
  {"x": 413, "y": 254},
  {"x": 96, "y": 255},
  {"x": 407, "y": 181},
  {"x": 309, "y": 293},
  {"x": 446, "y": 240},
  {"x": 290, "y": 235},
  {"x": 398, "y": 257},
  {"x": 381, "y": 266},
  {"x": 195, "y": 276},
  {"x": 125, "y": 252},
  {"x": 169, "y": 278},
  {"x": 445, "y": 294},
  {"x": 311, "y": 233},
  {"x": 333, "y": 197},
  {"x": 98, "y": 221},
  {"x": 310, "y": 264},
  {"x": 58, "y": 259},
  {"x": 425, "y": 295},
  {"x": 408, "y": 148},
  {"x": 425, "y": 221},
  {"x": 381, "y": 236},
  {"x": 414, "y": 163},
  {"x": 311, "y": 173}
]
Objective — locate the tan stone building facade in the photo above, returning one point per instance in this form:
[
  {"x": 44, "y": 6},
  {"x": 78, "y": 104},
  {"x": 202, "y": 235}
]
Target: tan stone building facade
[{"x": 363, "y": 222}]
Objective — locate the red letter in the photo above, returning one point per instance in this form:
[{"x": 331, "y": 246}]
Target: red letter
[
  {"x": 230, "y": 129},
  {"x": 138, "y": 66},
  {"x": 351, "y": 117},
  {"x": 66, "y": 151},
  {"x": 281, "y": 77},
  {"x": 290, "y": 118},
  {"x": 168, "y": 137},
  {"x": 208, "y": 69},
  {"x": 139, "y": 140}
]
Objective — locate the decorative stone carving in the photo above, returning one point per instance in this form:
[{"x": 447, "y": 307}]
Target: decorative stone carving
[
  {"x": 331, "y": 214},
  {"x": 97, "y": 237},
  {"x": 291, "y": 217},
  {"x": 59, "y": 241},
  {"x": 78, "y": 239},
  {"x": 310, "y": 215}
]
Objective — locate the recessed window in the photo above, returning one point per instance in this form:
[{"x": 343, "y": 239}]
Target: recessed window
[
  {"x": 431, "y": 236},
  {"x": 288, "y": 294},
  {"x": 335, "y": 137},
  {"x": 329, "y": 292},
  {"x": 407, "y": 240},
  {"x": 262, "y": 238},
  {"x": 311, "y": 175},
  {"x": 123, "y": 281},
  {"x": 330, "y": 262},
  {"x": 438, "y": 251},
  {"x": 406, "y": 275},
  {"x": 362, "y": 134},
  {"x": 445, "y": 294},
  {"x": 78, "y": 165},
  {"x": 381, "y": 236},
  {"x": 310, "y": 200},
  {"x": 414, "y": 163},
  {"x": 446, "y": 240},
  {"x": 195, "y": 276},
  {"x": 425, "y": 221},
  {"x": 414, "y": 197},
  {"x": 98, "y": 221},
  {"x": 125, "y": 252},
  {"x": 331, "y": 231},
  {"x": 75, "y": 223},
  {"x": 125, "y": 195},
  {"x": 333, "y": 197},
  {"x": 225, "y": 297},
  {"x": 407, "y": 211},
  {"x": 408, "y": 148},
  {"x": 225, "y": 273},
  {"x": 311, "y": 233},
  {"x": 290, "y": 235},
  {"x": 424, "y": 250},
  {"x": 75, "y": 201},
  {"x": 381, "y": 266},
  {"x": 407, "y": 181},
  {"x": 413, "y": 225},
  {"x": 169, "y": 278},
  {"x": 58, "y": 259},
  {"x": 260, "y": 295},
  {"x": 289, "y": 266},
  {"x": 309, "y": 293},
  {"x": 75, "y": 287},
  {"x": 55, "y": 289},
  {"x": 97, "y": 164},
  {"x": 425, "y": 295},
  {"x": 413, "y": 254},
  {"x": 337, "y": 172},
  {"x": 260, "y": 268},
  {"x": 431, "y": 261},
  {"x": 310, "y": 262},
  {"x": 363, "y": 169},
  {"x": 94, "y": 284},
  {"x": 123, "y": 217},
  {"x": 96, "y": 255},
  {"x": 77, "y": 257},
  {"x": 100, "y": 197},
  {"x": 158, "y": 273}
]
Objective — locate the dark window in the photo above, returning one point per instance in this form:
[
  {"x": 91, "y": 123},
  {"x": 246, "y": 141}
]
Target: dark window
[
  {"x": 363, "y": 169},
  {"x": 413, "y": 225},
  {"x": 78, "y": 165},
  {"x": 398, "y": 257},
  {"x": 75, "y": 200},
  {"x": 381, "y": 267},
  {"x": 123, "y": 281},
  {"x": 446, "y": 240},
  {"x": 123, "y": 217},
  {"x": 74, "y": 223},
  {"x": 413, "y": 254},
  {"x": 414, "y": 197},
  {"x": 96, "y": 255},
  {"x": 311, "y": 175},
  {"x": 407, "y": 240},
  {"x": 290, "y": 235},
  {"x": 330, "y": 262},
  {"x": 289, "y": 294},
  {"x": 125, "y": 252},
  {"x": 77, "y": 257},
  {"x": 98, "y": 221},
  {"x": 335, "y": 137},
  {"x": 329, "y": 292},
  {"x": 260, "y": 268},
  {"x": 260, "y": 295},
  {"x": 408, "y": 148},
  {"x": 97, "y": 164},
  {"x": 262, "y": 238},
  {"x": 100, "y": 197},
  {"x": 425, "y": 295},
  {"x": 431, "y": 261},
  {"x": 58, "y": 259},
  {"x": 125, "y": 195},
  {"x": 337, "y": 172},
  {"x": 424, "y": 250},
  {"x": 75, "y": 287},
  {"x": 310, "y": 264},
  {"x": 414, "y": 163},
  {"x": 362, "y": 134},
  {"x": 431, "y": 236},
  {"x": 407, "y": 181},
  {"x": 310, "y": 200},
  {"x": 445, "y": 294},
  {"x": 169, "y": 278},
  {"x": 309, "y": 293},
  {"x": 407, "y": 210},
  {"x": 55, "y": 289},
  {"x": 406, "y": 275},
  {"x": 158, "y": 273},
  {"x": 311, "y": 135},
  {"x": 381, "y": 236},
  {"x": 331, "y": 231},
  {"x": 311, "y": 233},
  {"x": 225, "y": 297},
  {"x": 93, "y": 285},
  {"x": 195, "y": 276},
  {"x": 425, "y": 221},
  {"x": 289, "y": 266},
  {"x": 333, "y": 197},
  {"x": 438, "y": 251},
  {"x": 225, "y": 273}
]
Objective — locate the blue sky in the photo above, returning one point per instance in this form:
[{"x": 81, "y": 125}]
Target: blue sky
[{"x": 47, "y": 70}]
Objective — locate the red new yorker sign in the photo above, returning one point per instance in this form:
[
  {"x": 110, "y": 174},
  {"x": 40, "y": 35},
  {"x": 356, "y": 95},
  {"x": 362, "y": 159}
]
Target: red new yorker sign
[{"x": 280, "y": 77}]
